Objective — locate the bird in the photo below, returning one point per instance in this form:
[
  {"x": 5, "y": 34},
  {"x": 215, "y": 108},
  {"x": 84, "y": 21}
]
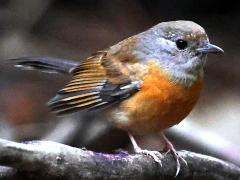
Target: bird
[{"x": 144, "y": 84}]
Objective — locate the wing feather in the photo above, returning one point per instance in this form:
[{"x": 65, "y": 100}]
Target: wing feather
[{"x": 96, "y": 83}]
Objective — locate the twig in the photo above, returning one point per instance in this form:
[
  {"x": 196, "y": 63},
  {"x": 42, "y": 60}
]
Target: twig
[
  {"x": 50, "y": 160},
  {"x": 7, "y": 173}
]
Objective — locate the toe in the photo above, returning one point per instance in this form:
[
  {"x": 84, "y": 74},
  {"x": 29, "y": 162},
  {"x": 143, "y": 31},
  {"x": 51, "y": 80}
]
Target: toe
[
  {"x": 183, "y": 160},
  {"x": 154, "y": 154},
  {"x": 177, "y": 157},
  {"x": 178, "y": 166}
]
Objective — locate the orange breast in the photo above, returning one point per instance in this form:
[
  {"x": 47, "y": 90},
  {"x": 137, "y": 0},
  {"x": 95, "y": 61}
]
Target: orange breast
[{"x": 159, "y": 104}]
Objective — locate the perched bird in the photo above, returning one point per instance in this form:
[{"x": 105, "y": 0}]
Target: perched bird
[{"x": 144, "y": 84}]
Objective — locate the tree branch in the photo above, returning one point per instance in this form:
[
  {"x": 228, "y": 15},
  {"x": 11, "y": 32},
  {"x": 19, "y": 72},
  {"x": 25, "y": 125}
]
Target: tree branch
[{"x": 50, "y": 160}]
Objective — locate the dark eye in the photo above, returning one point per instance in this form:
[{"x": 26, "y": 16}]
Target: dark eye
[{"x": 181, "y": 44}]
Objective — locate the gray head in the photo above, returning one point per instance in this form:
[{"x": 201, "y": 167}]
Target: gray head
[{"x": 179, "y": 47}]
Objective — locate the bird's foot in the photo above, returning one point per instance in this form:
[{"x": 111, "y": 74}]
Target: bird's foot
[
  {"x": 176, "y": 156},
  {"x": 156, "y": 155}
]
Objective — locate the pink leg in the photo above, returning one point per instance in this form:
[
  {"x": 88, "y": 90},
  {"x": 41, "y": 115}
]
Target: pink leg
[{"x": 170, "y": 148}]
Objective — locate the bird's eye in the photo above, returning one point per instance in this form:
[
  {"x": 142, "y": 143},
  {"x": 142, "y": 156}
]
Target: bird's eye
[{"x": 181, "y": 44}]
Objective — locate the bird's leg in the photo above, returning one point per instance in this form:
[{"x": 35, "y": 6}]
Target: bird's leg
[
  {"x": 156, "y": 155},
  {"x": 170, "y": 149}
]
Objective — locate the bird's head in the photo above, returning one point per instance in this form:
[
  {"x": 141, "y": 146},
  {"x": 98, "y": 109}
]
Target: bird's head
[{"x": 179, "y": 47}]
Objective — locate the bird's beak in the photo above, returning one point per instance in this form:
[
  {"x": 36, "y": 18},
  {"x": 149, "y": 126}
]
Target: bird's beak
[{"x": 210, "y": 48}]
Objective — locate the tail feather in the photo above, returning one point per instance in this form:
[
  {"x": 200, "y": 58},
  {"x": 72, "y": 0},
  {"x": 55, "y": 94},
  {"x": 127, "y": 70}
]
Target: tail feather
[{"x": 46, "y": 64}]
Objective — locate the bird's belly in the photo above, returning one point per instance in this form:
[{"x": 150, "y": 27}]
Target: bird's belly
[{"x": 158, "y": 105}]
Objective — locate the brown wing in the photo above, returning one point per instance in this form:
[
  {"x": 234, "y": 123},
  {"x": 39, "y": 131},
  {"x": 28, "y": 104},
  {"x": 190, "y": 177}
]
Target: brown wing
[{"x": 97, "y": 82}]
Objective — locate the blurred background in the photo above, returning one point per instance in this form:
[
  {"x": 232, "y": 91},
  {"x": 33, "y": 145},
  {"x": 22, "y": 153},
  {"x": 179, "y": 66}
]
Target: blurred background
[{"x": 75, "y": 29}]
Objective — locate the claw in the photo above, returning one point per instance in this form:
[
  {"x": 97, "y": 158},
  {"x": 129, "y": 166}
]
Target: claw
[
  {"x": 183, "y": 160},
  {"x": 171, "y": 149},
  {"x": 177, "y": 158},
  {"x": 154, "y": 154},
  {"x": 178, "y": 167}
]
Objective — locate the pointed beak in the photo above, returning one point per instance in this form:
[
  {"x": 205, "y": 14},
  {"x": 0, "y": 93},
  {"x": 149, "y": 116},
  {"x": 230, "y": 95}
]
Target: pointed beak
[{"x": 210, "y": 48}]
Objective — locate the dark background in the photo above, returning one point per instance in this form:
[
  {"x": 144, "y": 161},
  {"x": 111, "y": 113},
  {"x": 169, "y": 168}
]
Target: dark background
[{"x": 75, "y": 29}]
